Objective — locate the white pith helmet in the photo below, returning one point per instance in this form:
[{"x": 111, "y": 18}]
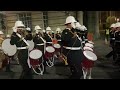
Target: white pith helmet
[
  {"x": 19, "y": 24},
  {"x": 37, "y": 27},
  {"x": 70, "y": 19},
  {"x": 48, "y": 29}
]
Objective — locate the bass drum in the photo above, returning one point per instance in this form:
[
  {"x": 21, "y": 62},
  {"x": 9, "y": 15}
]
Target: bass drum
[
  {"x": 89, "y": 59},
  {"x": 8, "y": 49}
]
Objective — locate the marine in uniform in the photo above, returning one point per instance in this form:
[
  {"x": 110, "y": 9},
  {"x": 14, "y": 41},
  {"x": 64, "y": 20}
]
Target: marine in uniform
[
  {"x": 117, "y": 43},
  {"x": 112, "y": 40},
  {"x": 47, "y": 37},
  {"x": 28, "y": 34},
  {"x": 40, "y": 43},
  {"x": 58, "y": 35},
  {"x": 18, "y": 39},
  {"x": 82, "y": 33},
  {"x": 8, "y": 66},
  {"x": 72, "y": 48}
]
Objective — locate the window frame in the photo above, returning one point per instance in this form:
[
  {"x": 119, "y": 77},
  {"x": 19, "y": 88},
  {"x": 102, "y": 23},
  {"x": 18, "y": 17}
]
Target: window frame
[{"x": 26, "y": 18}]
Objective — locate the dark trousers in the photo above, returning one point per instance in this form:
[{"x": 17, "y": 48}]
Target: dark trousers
[
  {"x": 26, "y": 71},
  {"x": 112, "y": 53},
  {"x": 74, "y": 59}
]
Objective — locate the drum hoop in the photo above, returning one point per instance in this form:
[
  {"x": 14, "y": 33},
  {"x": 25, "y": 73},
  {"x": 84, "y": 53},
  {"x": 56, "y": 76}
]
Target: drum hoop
[
  {"x": 35, "y": 53},
  {"x": 4, "y": 49},
  {"x": 50, "y": 47},
  {"x": 56, "y": 45},
  {"x": 88, "y": 54},
  {"x": 87, "y": 48},
  {"x": 90, "y": 45}
]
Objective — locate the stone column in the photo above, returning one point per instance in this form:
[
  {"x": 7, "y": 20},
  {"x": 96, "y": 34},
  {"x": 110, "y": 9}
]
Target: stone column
[
  {"x": 93, "y": 23},
  {"x": 80, "y": 17}
]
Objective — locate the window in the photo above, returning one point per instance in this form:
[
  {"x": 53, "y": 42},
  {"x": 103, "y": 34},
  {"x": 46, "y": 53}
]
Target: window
[
  {"x": 2, "y": 23},
  {"x": 26, "y": 19},
  {"x": 45, "y": 19}
]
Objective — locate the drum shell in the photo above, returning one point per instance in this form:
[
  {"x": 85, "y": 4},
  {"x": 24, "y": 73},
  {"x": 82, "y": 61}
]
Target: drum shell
[
  {"x": 35, "y": 62},
  {"x": 57, "y": 49},
  {"x": 48, "y": 55},
  {"x": 86, "y": 63}
]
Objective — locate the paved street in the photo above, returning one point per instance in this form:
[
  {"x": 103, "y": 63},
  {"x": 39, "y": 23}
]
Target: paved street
[{"x": 103, "y": 68}]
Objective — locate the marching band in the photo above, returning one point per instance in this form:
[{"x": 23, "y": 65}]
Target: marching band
[{"x": 36, "y": 51}]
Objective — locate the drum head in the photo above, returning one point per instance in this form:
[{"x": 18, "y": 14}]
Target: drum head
[
  {"x": 50, "y": 49},
  {"x": 31, "y": 43},
  {"x": 8, "y": 49},
  {"x": 35, "y": 54},
  {"x": 90, "y": 55},
  {"x": 90, "y": 42},
  {"x": 57, "y": 45},
  {"x": 87, "y": 48},
  {"x": 89, "y": 45}
]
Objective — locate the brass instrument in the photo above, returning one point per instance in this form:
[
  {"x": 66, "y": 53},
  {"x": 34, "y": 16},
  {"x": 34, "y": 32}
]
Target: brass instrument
[{"x": 64, "y": 58}]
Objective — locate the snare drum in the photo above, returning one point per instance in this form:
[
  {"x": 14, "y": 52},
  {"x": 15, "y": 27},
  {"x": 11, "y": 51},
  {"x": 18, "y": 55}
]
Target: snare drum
[
  {"x": 35, "y": 62},
  {"x": 34, "y": 57},
  {"x": 49, "y": 52},
  {"x": 89, "y": 59},
  {"x": 57, "y": 47},
  {"x": 8, "y": 49}
]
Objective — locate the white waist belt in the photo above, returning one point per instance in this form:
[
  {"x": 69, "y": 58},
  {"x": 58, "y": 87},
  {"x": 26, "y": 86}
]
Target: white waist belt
[
  {"x": 40, "y": 44},
  {"x": 117, "y": 41},
  {"x": 22, "y": 48},
  {"x": 72, "y": 48},
  {"x": 83, "y": 41},
  {"x": 113, "y": 38},
  {"x": 48, "y": 42},
  {"x": 58, "y": 40}
]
